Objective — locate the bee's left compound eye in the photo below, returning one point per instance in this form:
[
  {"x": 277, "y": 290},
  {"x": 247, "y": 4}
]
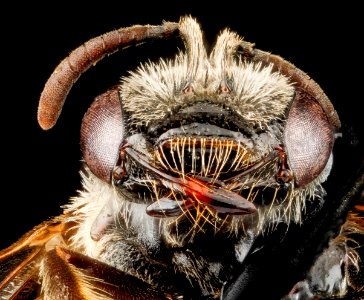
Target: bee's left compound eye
[
  {"x": 308, "y": 138},
  {"x": 102, "y": 132}
]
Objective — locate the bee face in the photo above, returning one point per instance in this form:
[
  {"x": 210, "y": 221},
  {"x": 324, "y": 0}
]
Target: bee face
[{"x": 210, "y": 135}]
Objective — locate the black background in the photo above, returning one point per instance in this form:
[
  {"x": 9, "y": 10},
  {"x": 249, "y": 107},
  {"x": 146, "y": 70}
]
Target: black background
[{"x": 40, "y": 168}]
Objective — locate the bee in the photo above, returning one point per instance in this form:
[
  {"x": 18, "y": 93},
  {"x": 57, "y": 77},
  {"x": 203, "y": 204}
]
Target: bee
[{"x": 192, "y": 169}]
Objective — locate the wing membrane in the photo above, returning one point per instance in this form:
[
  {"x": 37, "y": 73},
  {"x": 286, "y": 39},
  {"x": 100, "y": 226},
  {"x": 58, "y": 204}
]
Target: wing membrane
[{"x": 19, "y": 263}]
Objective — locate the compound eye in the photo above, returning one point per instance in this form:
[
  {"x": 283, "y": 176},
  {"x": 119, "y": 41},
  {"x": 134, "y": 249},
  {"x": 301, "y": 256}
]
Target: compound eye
[
  {"x": 308, "y": 138},
  {"x": 102, "y": 133}
]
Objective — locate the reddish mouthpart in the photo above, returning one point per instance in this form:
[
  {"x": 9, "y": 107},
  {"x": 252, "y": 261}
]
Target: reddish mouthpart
[{"x": 217, "y": 198}]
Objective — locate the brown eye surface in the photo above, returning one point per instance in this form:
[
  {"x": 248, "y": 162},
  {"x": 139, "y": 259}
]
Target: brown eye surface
[
  {"x": 308, "y": 138},
  {"x": 102, "y": 133}
]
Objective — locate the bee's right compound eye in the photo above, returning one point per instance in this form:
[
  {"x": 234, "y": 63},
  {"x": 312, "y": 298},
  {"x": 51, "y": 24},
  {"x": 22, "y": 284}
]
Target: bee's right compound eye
[{"x": 102, "y": 133}]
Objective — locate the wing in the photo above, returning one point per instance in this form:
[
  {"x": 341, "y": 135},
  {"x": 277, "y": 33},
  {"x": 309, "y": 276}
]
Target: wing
[
  {"x": 87, "y": 278},
  {"x": 19, "y": 263},
  {"x": 353, "y": 234},
  {"x": 40, "y": 265}
]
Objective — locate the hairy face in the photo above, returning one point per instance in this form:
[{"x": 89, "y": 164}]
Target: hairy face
[
  {"x": 253, "y": 94},
  {"x": 233, "y": 137}
]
